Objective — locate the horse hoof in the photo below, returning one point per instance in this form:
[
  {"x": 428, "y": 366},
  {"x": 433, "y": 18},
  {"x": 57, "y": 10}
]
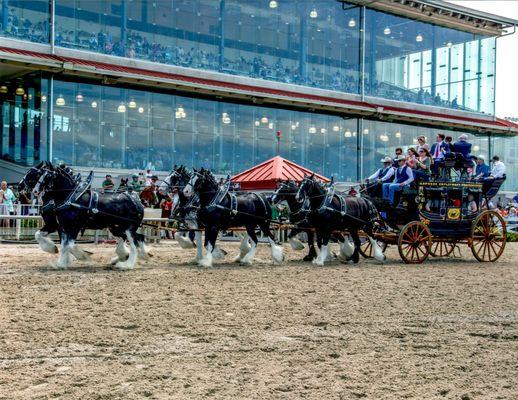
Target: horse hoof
[
  {"x": 122, "y": 265},
  {"x": 205, "y": 263},
  {"x": 246, "y": 262}
]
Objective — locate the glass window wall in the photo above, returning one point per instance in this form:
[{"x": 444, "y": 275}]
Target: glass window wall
[
  {"x": 25, "y": 20},
  {"x": 423, "y": 63},
  {"x": 23, "y": 119},
  {"x": 112, "y": 127}
]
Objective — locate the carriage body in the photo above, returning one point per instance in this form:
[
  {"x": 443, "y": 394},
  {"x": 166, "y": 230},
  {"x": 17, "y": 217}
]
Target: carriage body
[{"x": 435, "y": 216}]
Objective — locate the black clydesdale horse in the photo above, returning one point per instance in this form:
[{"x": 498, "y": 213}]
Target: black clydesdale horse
[
  {"x": 299, "y": 212},
  {"x": 332, "y": 212},
  {"x": 185, "y": 211},
  {"x": 77, "y": 207},
  {"x": 221, "y": 210}
]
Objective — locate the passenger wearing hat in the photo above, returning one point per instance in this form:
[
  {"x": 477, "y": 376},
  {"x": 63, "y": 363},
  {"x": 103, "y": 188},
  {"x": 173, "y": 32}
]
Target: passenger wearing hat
[
  {"x": 135, "y": 184},
  {"x": 403, "y": 177},
  {"x": 482, "y": 169},
  {"x": 382, "y": 175},
  {"x": 108, "y": 185}
]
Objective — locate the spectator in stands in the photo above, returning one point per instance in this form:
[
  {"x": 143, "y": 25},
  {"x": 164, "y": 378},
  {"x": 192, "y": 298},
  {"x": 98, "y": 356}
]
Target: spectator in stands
[
  {"x": 463, "y": 146},
  {"x": 403, "y": 178},
  {"x": 123, "y": 185},
  {"x": 167, "y": 207},
  {"x": 515, "y": 199},
  {"x": 498, "y": 170},
  {"x": 108, "y": 185},
  {"x": 135, "y": 183},
  {"x": 482, "y": 169}
]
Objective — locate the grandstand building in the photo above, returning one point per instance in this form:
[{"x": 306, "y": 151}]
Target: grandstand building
[{"x": 136, "y": 84}]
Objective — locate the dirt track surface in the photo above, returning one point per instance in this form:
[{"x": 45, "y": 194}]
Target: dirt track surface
[{"x": 167, "y": 330}]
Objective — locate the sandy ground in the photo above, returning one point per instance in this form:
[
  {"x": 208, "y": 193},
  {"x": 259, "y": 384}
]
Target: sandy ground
[{"x": 167, "y": 330}]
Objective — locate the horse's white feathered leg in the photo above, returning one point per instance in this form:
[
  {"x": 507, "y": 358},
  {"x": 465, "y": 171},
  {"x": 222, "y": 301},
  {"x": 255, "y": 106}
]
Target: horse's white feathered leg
[
  {"x": 244, "y": 248},
  {"x": 64, "y": 253},
  {"x": 184, "y": 242},
  {"x": 207, "y": 260},
  {"x": 132, "y": 259},
  {"x": 45, "y": 243},
  {"x": 346, "y": 249},
  {"x": 219, "y": 253},
  {"x": 296, "y": 244},
  {"x": 121, "y": 250},
  {"x": 322, "y": 257},
  {"x": 277, "y": 254},
  {"x": 249, "y": 257},
  {"x": 79, "y": 253},
  {"x": 377, "y": 251}
]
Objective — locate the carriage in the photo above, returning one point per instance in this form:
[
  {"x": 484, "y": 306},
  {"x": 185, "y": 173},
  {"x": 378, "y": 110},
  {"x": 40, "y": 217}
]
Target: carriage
[{"x": 433, "y": 217}]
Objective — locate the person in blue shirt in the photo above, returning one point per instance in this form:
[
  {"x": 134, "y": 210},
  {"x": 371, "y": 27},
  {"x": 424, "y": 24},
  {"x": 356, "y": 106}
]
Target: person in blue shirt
[
  {"x": 403, "y": 177},
  {"x": 482, "y": 169}
]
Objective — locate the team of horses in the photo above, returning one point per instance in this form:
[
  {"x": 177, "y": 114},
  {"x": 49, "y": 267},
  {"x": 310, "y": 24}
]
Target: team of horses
[{"x": 70, "y": 206}]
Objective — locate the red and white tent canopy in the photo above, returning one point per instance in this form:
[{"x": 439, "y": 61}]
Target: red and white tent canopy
[{"x": 266, "y": 175}]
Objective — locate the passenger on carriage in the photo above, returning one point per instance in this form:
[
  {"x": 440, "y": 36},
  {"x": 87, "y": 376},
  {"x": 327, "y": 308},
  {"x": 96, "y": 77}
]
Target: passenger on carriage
[
  {"x": 421, "y": 140},
  {"x": 437, "y": 153},
  {"x": 462, "y": 146},
  {"x": 482, "y": 169},
  {"x": 403, "y": 178},
  {"x": 382, "y": 175},
  {"x": 423, "y": 165},
  {"x": 498, "y": 170},
  {"x": 399, "y": 152},
  {"x": 447, "y": 148},
  {"x": 411, "y": 157}
]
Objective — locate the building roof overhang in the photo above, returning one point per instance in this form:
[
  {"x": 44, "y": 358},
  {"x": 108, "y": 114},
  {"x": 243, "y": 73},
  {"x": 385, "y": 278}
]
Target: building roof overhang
[
  {"x": 442, "y": 13},
  {"x": 123, "y": 71}
]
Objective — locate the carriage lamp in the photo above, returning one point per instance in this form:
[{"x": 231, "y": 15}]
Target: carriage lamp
[{"x": 476, "y": 148}]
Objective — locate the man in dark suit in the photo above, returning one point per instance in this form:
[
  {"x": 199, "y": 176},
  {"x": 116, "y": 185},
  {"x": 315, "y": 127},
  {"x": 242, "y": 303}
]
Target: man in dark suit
[
  {"x": 437, "y": 154},
  {"x": 462, "y": 146}
]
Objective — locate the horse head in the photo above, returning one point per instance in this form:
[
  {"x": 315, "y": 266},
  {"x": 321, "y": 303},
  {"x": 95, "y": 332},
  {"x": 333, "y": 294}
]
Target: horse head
[
  {"x": 285, "y": 191},
  {"x": 37, "y": 177},
  {"x": 309, "y": 187}
]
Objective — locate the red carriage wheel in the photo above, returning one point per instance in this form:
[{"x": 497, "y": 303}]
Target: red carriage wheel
[
  {"x": 414, "y": 243},
  {"x": 488, "y": 236},
  {"x": 442, "y": 249}
]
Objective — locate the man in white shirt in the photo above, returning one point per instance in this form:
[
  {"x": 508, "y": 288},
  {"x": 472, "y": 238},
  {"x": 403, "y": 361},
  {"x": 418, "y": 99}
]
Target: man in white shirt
[
  {"x": 498, "y": 170},
  {"x": 403, "y": 177},
  {"x": 379, "y": 177}
]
